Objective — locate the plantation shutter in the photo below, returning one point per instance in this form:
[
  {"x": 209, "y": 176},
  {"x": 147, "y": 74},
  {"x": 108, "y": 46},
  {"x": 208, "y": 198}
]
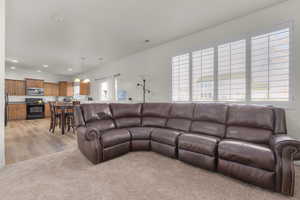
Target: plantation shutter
[
  {"x": 180, "y": 78},
  {"x": 203, "y": 75},
  {"x": 270, "y": 60},
  {"x": 232, "y": 71}
]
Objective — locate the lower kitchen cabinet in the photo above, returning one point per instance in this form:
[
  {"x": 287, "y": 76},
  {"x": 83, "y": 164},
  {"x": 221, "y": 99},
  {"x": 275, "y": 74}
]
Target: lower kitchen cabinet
[
  {"x": 47, "y": 110},
  {"x": 17, "y": 111}
]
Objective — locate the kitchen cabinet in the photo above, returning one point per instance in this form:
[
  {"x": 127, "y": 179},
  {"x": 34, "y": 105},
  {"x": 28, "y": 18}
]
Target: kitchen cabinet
[
  {"x": 47, "y": 110},
  {"x": 84, "y": 88},
  {"x": 65, "y": 88},
  {"x": 34, "y": 83},
  {"x": 15, "y": 87},
  {"x": 17, "y": 111},
  {"x": 51, "y": 89}
]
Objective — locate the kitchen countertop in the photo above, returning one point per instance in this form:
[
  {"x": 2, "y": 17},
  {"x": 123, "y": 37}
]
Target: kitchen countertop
[{"x": 17, "y": 102}]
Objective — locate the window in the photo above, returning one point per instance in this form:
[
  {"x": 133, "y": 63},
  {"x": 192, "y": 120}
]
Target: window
[
  {"x": 180, "y": 78},
  {"x": 270, "y": 66},
  {"x": 254, "y": 69},
  {"x": 107, "y": 89},
  {"x": 232, "y": 71},
  {"x": 203, "y": 75},
  {"x": 104, "y": 96}
]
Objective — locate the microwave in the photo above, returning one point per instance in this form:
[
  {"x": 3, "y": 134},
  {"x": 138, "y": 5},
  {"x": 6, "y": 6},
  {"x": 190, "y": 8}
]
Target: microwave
[{"x": 35, "y": 91}]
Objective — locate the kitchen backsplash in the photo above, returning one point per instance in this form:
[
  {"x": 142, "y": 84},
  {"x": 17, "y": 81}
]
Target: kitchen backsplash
[{"x": 45, "y": 98}]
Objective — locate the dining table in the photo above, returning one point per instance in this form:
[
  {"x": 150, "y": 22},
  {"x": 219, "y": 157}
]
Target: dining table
[{"x": 64, "y": 108}]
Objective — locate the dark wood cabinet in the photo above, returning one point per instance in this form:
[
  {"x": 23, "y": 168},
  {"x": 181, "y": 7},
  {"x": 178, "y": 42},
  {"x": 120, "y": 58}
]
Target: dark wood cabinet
[
  {"x": 17, "y": 111},
  {"x": 65, "y": 88},
  {"x": 15, "y": 87},
  {"x": 84, "y": 88},
  {"x": 34, "y": 83}
]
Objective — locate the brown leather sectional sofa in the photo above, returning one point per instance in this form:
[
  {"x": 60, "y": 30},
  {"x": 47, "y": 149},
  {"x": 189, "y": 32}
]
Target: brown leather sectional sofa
[{"x": 247, "y": 142}]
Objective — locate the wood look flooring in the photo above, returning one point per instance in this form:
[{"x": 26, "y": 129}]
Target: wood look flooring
[{"x": 27, "y": 139}]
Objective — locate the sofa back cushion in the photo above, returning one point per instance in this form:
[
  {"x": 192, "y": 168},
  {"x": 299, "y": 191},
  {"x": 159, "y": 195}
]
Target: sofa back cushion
[
  {"x": 126, "y": 115},
  {"x": 254, "y": 135},
  {"x": 250, "y": 123},
  {"x": 98, "y": 116},
  {"x": 96, "y": 111},
  {"x": 180, "y": 116},
  {"x": 155, "y": 114},
  {"x": 210, "y": 119}
]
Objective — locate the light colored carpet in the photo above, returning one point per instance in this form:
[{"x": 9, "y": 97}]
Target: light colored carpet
[{"x": 135, "y": 176}]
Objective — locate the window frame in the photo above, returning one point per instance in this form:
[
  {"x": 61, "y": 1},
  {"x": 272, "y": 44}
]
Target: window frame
[{"x": 290, "y": 104}]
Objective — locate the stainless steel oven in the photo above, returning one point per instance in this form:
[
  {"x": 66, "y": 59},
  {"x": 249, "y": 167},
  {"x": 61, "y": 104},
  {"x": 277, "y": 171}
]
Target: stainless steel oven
[
  {"x": 35, "y": 91},
  {"x": 35, "y": 108}
]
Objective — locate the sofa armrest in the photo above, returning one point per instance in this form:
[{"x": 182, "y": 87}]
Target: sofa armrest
[
  {"x": 89, "y": 144},
  {"x": 286, "y": 149},
  {"x": 89, "y": 134}
]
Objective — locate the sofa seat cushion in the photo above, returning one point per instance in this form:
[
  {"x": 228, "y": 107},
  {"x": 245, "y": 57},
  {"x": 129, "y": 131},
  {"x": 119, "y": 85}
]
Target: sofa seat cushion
[
  {"x": 250, "y": 154},
  {"x": 101, "y": 125},
  {"x": 140, "y": 133},
  {"x": 198, "y": 143},
  {"x": 165, "y": 136},
  {"x": 114, "y": 137}
]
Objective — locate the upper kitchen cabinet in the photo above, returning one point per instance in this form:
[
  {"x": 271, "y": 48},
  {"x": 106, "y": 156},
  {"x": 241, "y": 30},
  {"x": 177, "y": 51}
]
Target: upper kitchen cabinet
[
  {"x": 34, "y": 83},
  {"x": 15, "y": 87},
  {"x": 84, "y": 88},
  {"x": 51, "y": 89},
  {"x": 65, "y": 88}
]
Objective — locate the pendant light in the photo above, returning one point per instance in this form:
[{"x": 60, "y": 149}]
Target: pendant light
[
  {"x": 86, "y": 80},
  {"x": 77, "y": 79}
]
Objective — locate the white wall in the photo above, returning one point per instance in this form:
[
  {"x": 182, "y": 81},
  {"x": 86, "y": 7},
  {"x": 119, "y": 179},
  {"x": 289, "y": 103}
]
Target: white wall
[
  {"x": 21, "y": 74},
  {"x": 2, "y": 58},
  {"x": 156, "y": 64}
]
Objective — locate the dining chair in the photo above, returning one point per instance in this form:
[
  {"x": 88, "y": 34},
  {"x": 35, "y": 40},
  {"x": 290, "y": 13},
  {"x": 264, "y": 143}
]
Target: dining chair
[
  {"x": 70, "y": 117},
  {"x": 55, "y": 117}
]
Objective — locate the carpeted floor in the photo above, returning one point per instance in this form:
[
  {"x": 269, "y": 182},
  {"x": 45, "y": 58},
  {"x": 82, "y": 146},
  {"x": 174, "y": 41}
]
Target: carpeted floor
[{"x": 135, "y": 176}]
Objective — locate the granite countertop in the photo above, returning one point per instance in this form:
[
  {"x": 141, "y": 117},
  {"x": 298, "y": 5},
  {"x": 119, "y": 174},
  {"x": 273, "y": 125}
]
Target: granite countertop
[{"x": 17, "y": 102}]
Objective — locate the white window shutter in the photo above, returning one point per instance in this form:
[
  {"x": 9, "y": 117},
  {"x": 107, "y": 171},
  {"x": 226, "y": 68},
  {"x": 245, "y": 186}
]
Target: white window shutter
[
  {"x": 270, "y": 60},
  {"x": 203, "y": 75},
  {"x": 180, "y": 77},
  {"x": 232, "y": 71}
]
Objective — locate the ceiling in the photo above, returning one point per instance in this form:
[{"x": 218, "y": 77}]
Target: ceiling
[{"x": 59, "y": 32}]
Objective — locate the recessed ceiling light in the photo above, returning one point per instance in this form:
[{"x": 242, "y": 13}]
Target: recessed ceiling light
[
  {"x": 45, "y": 66},
  {"x": 70, "y": 69},
  {"x": 12, "y": 60},
  {"x": 57, "y": 18},
  {"x": 100, "y": 59},
  {"x": 147, "y": 41},
  {"x": 13, "y": 67},
  {"x": 39, "y": 71}
]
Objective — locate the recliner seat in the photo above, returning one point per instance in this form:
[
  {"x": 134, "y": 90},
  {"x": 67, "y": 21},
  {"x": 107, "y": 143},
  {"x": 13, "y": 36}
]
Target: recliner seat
[
  {"x": 199, "y": 145},
  {"x": 247, "y": 142}
]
